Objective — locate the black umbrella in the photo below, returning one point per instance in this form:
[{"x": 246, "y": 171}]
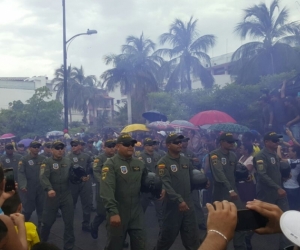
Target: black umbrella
[{"x": 153, "y": 116}]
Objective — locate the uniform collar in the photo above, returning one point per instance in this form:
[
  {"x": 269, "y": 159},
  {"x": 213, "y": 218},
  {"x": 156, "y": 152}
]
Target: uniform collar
[{"x": 123, "y": 158}]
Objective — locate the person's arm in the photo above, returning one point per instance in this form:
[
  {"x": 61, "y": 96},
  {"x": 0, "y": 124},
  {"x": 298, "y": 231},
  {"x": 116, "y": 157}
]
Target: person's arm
[
  {"x": 218, "y": 171},
  {"x": 282, "y": 90},
  {"x": 108, "y": 187},
  {"x": 22, "y": 180},
  {"x": 164, "y": 174},
  {"x": 290, "y": 134},
  {"x": 19, "y": 221},
  {"x": 45, "y": 176},
  {"x": 12, "y": 240},
  {"x": 261, "y": 169},
  {"x": 221, "y": 223}
]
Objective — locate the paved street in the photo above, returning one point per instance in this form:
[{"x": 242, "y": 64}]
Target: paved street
[{"x": 85, "y": 242}]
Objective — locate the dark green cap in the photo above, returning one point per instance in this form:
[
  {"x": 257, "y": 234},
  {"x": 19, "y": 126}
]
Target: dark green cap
[
  {"x": 57, "y": 143},
  {"x": 9, "y": 144},
  {"x": 48, "y": 144},
  {"x": 75, "y": 141},
  {"x": 149, "y": 142},
  {"x": 173, "y": 136},
  {"x": 35, "y": 143},
  {"x": 109, "y": 142},
  {"x": 125, "y": 138}
]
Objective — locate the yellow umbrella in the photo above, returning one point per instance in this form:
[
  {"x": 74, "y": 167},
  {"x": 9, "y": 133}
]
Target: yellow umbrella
[{"x": 134, "y": 127}]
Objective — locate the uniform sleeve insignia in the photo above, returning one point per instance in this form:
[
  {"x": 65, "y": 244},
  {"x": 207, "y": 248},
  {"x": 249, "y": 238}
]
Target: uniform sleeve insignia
[
  {"x": 43, "y": 165},
  {"x": 259, "y": 161},
  {"x": 104, "y": 175},
  {"x": 214, "y": 157},
  {"x": 161, "y": 171},
  {"x": 96, "y": 160},
  {"x": 140, "y": 158},
  {"x": 105, "y": 170},
  {"x": 161, "y": 166},
  {"x": 20, "y": 163}
]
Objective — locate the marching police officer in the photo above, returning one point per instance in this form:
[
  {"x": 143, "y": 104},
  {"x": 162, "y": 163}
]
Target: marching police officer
[
  {"x": 109, "y": 151},
  {"x": 55, "y": 174},
  {"x": 150, "y": 158},
  {"x": 269, "y": 180},
  {"x": 29, "y": 181},
  {"x": 11, "y": 159},
  {"x": 223, "y": 165},
  {"x": 90, "y": 149},
  {"x": 120, "y": 190},
  {"x": 195, "y": 193},
  {"x": 179, "y": 215},
  {"x": 47, "y": 149},
  {"x": 83, "y": 189}
]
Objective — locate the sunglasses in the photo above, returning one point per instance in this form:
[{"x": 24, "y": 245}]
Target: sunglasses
[
  {"x": 177, "y": 142},
  {"x": 59, "y": 148},
  {"x": 110, "y": 146},
  {"x": 128, "y": 144},
  {"x": 74, "y": 145},
  {"x": 275, "y": 141},
  {"x": 9, "y": 148},
  {"x": 36, "y": 146},
  {"x": 230, "y": 142}
]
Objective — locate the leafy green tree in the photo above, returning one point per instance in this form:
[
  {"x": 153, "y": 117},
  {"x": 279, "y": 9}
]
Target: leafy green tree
[
  {"x": 135, "y": 70},
  {"x": 35, "y": 117},
  {"x": 188, "y": 52},
  {"x": 272, "y": 51}
]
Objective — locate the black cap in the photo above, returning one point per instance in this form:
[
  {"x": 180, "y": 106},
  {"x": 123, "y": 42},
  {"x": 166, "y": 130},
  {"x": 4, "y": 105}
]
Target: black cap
[
  {"x": 185, "y": 139},
  {"x": 149, "y": 142},
  {"x": 109, "y": 142},
  {"x": 172, "y": 137},
  {"x": 271, "y": 136},
  {"x": 75, "y": 141},
  {"x": 35, "y": 143},
  {"x": 227, "y": 137},
  {"x": 48, "y": 144},
  {"x": 57, "y": 143},
  {"x": 125, "y": 138},
  {"x": 7, "y": 145}
]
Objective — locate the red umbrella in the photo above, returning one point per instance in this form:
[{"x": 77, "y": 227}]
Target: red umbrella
[
  {"x": 211, "y": 117},
  {"x": 7, "y": 136}
]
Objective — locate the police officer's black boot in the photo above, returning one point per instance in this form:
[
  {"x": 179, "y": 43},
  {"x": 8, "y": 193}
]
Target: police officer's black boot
[{"x": 94, "y": 232}]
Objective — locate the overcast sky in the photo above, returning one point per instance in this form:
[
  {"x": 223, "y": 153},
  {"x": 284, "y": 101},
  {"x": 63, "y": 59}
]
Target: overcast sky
[{"x": 31, "y": 30}]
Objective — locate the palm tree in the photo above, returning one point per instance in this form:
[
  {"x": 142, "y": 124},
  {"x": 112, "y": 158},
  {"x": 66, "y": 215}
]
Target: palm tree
[
  {"x": 58, "y": 82},
  {"x": 187, "y": 54},
  {"x": 82, "y": 90},
  {"x": 135, "y": 70},
  {"x": 272, "y": 53}
]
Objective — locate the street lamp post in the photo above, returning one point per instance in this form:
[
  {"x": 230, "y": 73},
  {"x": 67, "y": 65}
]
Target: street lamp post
[{"x": 65, "y": 42}]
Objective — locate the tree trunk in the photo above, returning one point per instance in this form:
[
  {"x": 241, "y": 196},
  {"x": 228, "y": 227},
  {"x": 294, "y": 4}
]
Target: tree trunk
[
  {"x": 129, "y": 108},
  {"x": 70, "y": 114}
]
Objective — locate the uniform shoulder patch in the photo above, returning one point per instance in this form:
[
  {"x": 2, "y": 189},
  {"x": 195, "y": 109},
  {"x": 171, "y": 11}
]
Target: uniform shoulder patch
[
  {"x": 105, "y": 169},
  {"x": 161, "y": 166},
  {"x": 259, "y": 161},
  {"x": 96, "y": 160},
  {"x": 20, "y": 163},
  {"x": 43, "y": 165},
  {"x": 214, "y": 157}
]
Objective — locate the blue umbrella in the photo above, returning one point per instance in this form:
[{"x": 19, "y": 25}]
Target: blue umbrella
[
  {"x": 26, "y": 142},
  {"x": 153, "y": 116}
]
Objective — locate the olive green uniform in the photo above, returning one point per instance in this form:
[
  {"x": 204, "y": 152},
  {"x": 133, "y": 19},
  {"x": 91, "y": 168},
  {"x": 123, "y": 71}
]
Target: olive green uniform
[
  {"x": 160, "y": 153},
  {"x": 120, "y": 190},
  {"x": 195, "y": 193},
  {"x": 29, "y": 178},
  {"x": 83, "y": 189},
  {"x": 267, "y": 165},
  {"x": 223, "y": 166},
  {"x": 93, "y": 152},
  {"x": 100, "y": 210},
  {"x": 175, "y": 174},
  {"x": 150, "y": 162},
  {"x": 11, "y": 162},
  {"x": 55, "y": 176}
]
